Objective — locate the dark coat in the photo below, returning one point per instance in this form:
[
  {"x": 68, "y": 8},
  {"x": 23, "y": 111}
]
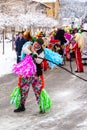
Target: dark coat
[
  {"x": 60, "y": 36},
  {"x": 19, "y": 44}
]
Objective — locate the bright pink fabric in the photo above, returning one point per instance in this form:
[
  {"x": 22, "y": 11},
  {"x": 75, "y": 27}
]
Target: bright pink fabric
[{"x": 26, "y": 67}]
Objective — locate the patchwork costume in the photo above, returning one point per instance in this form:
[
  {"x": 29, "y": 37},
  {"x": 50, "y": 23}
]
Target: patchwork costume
[{"x": 30, "y": 73}]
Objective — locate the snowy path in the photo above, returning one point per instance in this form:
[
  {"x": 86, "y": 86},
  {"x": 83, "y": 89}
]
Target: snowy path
[{"x": 69, "y": 108}]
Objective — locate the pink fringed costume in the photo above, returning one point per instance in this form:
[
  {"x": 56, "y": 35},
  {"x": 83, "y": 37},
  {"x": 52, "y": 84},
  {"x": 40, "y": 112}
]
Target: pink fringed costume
[{"x": 26, "y": 67}]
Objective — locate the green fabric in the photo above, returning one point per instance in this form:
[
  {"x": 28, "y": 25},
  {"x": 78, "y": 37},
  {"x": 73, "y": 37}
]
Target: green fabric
[
  {"x": 34, "y": 39},
  {"x": 45, "y": 101},
  {"x": 15, "y": 97}
]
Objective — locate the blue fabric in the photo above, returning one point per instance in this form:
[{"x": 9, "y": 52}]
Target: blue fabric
[
  {"x": 22, "y": 53},
  {"x": 53, "y": 56}
]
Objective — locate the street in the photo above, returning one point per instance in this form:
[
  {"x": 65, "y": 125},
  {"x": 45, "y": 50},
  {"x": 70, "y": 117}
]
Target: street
[{"x": 69, "y": 103}]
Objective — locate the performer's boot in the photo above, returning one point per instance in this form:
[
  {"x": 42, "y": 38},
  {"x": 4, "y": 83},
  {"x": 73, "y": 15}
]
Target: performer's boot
[{"x": 20, "y": 109}]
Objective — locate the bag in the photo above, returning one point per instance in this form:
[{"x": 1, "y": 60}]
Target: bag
[
  {"x": 45, "y": 101},
  {"x": 15, "y": 97}
]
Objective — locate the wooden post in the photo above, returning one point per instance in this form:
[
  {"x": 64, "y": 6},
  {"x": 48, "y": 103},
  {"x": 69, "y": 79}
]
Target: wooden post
[
  {"x": 13, "y": 32},
  {"x": 3, "y": 42}
]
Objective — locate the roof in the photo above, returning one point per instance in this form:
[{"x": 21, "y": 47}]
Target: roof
[{"x": 46, "y": 6}]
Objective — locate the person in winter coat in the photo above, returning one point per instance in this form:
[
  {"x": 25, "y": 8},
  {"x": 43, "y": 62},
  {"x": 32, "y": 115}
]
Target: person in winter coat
[
  {"x": 60, "y": 36},
  {"x": 19, "y": 44}
]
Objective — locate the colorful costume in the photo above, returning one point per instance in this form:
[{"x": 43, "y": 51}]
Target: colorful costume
[
  {"x": 67, "y": 51},
  {"x": 26, "y": 70},
  {"x": 78, "y": 48},
  {"x": 25, "y": 86},
  {"x": 30, "y": 72},
  {"x": 26, "y": 67},
  {"x": 78, "y": 58}
]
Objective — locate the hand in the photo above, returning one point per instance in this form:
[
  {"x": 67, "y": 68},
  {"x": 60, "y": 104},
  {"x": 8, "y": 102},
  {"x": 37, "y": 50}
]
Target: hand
[
  {"x": 70, "y": 47},
  {"x": 32, "y": 49},
  {"x": 35, "y": 55}
]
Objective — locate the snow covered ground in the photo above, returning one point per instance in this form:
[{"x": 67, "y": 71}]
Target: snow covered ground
[
  {"x": 7, "y": 59},
  {"x": 68, "y": 94}
]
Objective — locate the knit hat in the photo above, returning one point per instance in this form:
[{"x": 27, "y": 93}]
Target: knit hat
[{"x": 40, "y": 41}]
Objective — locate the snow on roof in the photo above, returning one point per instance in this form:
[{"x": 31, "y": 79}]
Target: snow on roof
[{"x": 46, "y": 0}]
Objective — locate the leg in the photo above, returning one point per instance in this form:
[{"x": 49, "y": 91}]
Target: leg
[
  {"x": 42, "y": 80},
  {"x": 79, "y": 63},
  {"x": 37, "y": 87},
  {"x": 24, "y": 87}
]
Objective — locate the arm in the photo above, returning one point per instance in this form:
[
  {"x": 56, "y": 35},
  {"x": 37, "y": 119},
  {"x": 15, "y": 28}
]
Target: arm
[
  {"x": 75, "y": 46},
  {"x": 26, "y": 49}
]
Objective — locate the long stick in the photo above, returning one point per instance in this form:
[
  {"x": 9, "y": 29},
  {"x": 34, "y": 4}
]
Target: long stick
[{"x": 65, "y": 69}]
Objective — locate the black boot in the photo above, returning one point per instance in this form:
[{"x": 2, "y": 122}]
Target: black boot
[
  {"x": 42, "y": 112},
  {"x": 20, "y": 109}
]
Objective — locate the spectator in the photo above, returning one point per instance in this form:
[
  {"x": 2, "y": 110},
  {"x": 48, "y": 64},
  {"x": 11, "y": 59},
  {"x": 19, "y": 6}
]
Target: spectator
[{"x": 19, "y": 43}]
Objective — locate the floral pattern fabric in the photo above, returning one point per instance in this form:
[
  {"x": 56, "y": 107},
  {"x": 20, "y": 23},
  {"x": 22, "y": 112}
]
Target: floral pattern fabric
[{"x": 25, "y": 86}]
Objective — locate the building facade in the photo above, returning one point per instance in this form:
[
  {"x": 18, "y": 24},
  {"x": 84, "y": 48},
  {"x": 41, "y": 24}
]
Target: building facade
[{"x": 54, "y": 9}]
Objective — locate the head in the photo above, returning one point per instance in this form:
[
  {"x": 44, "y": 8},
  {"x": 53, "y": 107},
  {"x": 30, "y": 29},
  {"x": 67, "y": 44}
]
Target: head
[
  {"x": 28, "y": 35},
  {"x": 38, "y": 44},
  {"x": 20, "y": 34},
  {"x": 74, "y": 31},
  {"x": 16, "y": 36}
]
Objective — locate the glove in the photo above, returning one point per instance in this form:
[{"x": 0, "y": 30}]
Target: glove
[{"x": 35, "y": 55}]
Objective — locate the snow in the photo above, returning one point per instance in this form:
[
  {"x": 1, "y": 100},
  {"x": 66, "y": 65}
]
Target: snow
[
  {"x": 7, "y": 59},
  {"x": 69, "y": 108},
  {"x": 46, "y": 0}
]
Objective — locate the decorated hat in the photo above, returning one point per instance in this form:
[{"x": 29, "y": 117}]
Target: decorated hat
[{"x": 40, "y": 41}]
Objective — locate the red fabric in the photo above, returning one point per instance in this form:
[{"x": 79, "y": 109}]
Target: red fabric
[
  {"x": 54, "y": 41},
  {"x": 67, "y": 52},
  {"x": 78, "y": 57},
  {"x": 19, "y": 80},
  {"x": 42, "y": 81},
  {"x": 44, "y": 65},
  {"x": 50, "y": 46}
]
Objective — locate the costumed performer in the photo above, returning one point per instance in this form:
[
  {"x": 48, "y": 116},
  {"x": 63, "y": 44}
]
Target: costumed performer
[
  {"x": 35, "y": 78},
  {"x": 78, "y": 48}
]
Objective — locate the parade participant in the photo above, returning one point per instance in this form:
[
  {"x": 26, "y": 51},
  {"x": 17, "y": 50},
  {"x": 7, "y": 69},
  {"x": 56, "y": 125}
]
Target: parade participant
[
  {"x": 60, "y": 36},
  {"x": 37, "y": 51},
  {"x": 78, "y": 48},
  {"x": 27, "y": 77},
  {"x": 31, "y": 74},
  {"x": 67, "y": 51},
  {"x": 34, "y": 50}
]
